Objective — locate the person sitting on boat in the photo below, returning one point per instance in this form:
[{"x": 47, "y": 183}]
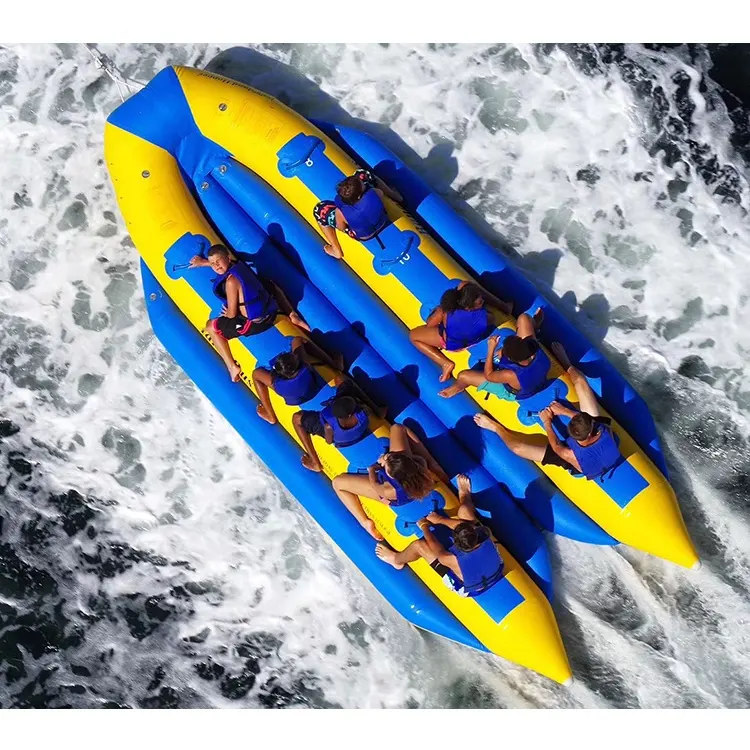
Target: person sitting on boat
[
  {"x": 591, "y": 447},
  {"x": 471, "y": 563},
  {"x": 292, "y": 375},
  {"x": 462, "y": 319},
  {"x": 405, "y": 475},
  {"x": 358, "y": 210},
  {"x": 250, "y": 307},
  {"x": 522, "y": 370},
  {"x": 344, "y": 420}
]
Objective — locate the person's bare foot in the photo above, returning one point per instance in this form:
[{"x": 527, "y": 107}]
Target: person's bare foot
[
  {"x": 309, "y": 463},
  {"x": 370, "y": 527},
  {"x": 538, "y": 318},
  {"x": 234, "y": 372},
  {"x": 485, "y": 422},
  {"x": 263, "y": 414},
  {"x": 464, "y": 484},
  {"x": 298, "y": 321},
  {"x": 562, "y": 356},
  {"x": 387, "y": 555},
  {"x": 451, "y": 390},
  {"x": 333, "y": 252},
  {"x": 447, "y": 371}
]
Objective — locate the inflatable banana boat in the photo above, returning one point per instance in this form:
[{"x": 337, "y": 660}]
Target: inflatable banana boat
[
  {"x": 151, "y": 147},
  {"x": 196, "y": 159}
]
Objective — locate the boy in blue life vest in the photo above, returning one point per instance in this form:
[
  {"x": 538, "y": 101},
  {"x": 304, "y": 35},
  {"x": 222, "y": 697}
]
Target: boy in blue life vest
[
  {"x": 358, "y": 210},
  {"x": 591, "y": 447},
  {"x": 470, "y": 564},
  {"x": 249, "y": 306},
  {"x": 404, "y": 478},
  {"x": 463, "y": 318},
  {"x": 522, "y": 370},
  {"x": 344, "y": 420},
  {"x": 292, "y": 375}
]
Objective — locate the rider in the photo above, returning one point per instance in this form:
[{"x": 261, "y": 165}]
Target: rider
[
  {"x": 358, "y": 210},
  {"x": 249, "y": 307}
]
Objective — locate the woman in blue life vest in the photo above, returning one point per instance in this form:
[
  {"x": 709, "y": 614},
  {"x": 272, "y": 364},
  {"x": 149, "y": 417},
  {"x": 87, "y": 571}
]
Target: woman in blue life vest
[
  {"x": 249, "y": 306},
  {"x": 591, "y": 448},
  {"x": 469, "y": 562},
  {"x": 521, "y": 371},
  {"x": 292, "y": 375},
  {"x": 358, "y": 210},
  {"x": 344, "y": 420},
  {"x": 462, "y": 318},
  {"x": 404, "y": 476}
]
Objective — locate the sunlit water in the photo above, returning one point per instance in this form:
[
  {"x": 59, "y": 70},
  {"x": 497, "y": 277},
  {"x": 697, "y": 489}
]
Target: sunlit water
[{"x": 148, "y": 559}]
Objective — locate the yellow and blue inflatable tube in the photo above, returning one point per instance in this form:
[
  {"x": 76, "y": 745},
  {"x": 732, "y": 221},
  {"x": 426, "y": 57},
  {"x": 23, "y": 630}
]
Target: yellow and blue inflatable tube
[{"x": 513, "y": 619}]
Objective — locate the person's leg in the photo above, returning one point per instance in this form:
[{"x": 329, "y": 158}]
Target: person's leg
[
  {"x": 347, "y": 487},
  {"x": 315, "y": 352},
  {"x": 262, "y": 380},
  {"x": 416, "y": 550},
  {"x": 463, "y": 381},
  {"x": 286, "y": 307},
  {"x": 310, "y": 459},
  {"x": 526, "y": 325},
  {"x": 531, "y": 447},
  {"x": 466, "y": 510},
  {"x": 352, "y": 388},
  {"x": 586, "y": 397},
  {"x": 429, "y": 341},
  {"x": 324, "y": 213},
  {"x": 415, "y": 445},
  {"x": 222, "y": 346}
]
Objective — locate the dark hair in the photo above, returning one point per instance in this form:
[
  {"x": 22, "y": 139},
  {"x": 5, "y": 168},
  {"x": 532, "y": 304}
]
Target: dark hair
[
  {"x": 350, "y": 190},
  {"x": 517, "y": 349},
  {"x": 469, "y": 295},
  {"x": 286, "y": 365},
  {"x": 468, "y": 534},
  {"x": 464, "y": 298},
  {"x": 218, "y": 250},
  {"x": 343, "y": 407},
  {"x": 411, "y": 473},
  {"x": 581, "y": 426},
  {"x": 449, "y": 300}
]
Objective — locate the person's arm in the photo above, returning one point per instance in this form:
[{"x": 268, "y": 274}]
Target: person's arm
[
  {"x": 436, "y": 519},
  {"x": 490, "y": 373},
  {"x": 392, "y": 193},
  {"x": 559, "y": 409},
  {"x": 377, "y": 487},
  {"x": 198, "y": 261},
  {"x": 232, "y": 307},
  {"x": 491, "y": 299},
  {"x": 328, "y": 433},
  {"x": 437, "y": 549},
  {"x": 436, "y": 317},
  {"x": 559, "y": 448}
]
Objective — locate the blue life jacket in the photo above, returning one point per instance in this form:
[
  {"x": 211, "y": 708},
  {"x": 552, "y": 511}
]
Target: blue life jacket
[
  {"x": 300, "y": 388},
  {"x": 366, "y": 217},
  {"x": 342, "y": 437},
  {"x": 258, "y": 303},
  {"x": 599, "y": 457},
  {"x": 481, "y": 568},
  {"x": 532, "y": 378},
  {"x": 463, "y": 328}
]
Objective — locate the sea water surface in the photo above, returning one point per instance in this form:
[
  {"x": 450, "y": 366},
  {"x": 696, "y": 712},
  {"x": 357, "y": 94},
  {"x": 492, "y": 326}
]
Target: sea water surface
[{"x": 148, "y": 559}]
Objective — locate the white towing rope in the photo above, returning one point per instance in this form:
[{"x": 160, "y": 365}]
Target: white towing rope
[{"x": 105, "y": 63}]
